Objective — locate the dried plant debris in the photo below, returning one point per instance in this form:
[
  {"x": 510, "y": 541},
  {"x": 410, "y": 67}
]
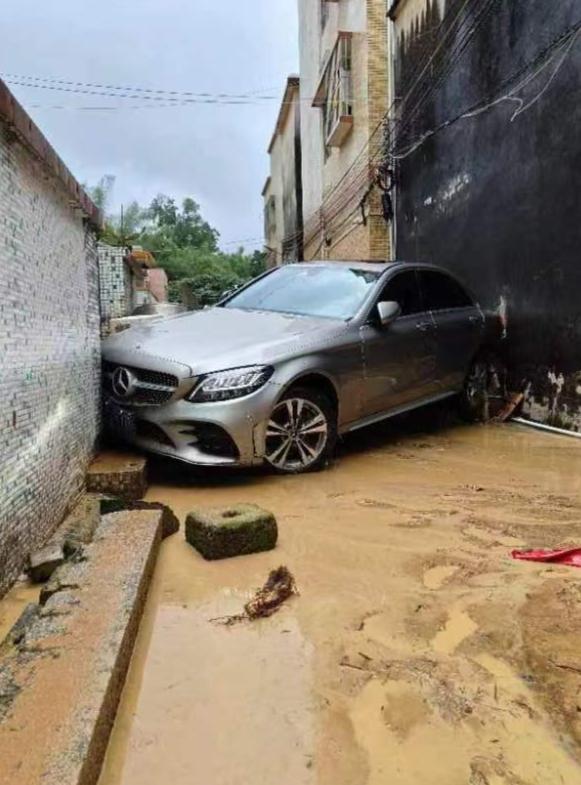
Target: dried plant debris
[{"x": 279, "y": 587}]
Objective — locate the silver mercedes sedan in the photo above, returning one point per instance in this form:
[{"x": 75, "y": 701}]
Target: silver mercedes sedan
[{"x": 301, "y": 355}]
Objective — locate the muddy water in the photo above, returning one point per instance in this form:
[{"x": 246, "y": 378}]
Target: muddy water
[
  {"x": 401, "y": 661},
  {"x": 12, "y": 605}
]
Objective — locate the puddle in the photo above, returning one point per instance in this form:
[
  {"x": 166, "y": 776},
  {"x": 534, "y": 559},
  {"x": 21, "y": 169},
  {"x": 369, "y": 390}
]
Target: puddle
[
  {"x": 534, "y": 752},
  {"x": 458, "y": 627},
  {"x": 435, "y": 577},
  {"x": 219, "y": 704},
  {"x": 12, "y": 605},
  {"x": 405, "y": 743}
]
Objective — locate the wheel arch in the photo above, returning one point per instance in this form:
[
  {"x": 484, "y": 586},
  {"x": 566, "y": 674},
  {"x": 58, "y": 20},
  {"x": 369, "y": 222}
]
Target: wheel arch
[{"x": 316, "y": 380}]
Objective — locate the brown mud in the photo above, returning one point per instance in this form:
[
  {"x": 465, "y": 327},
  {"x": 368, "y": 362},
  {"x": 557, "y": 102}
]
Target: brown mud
[{"x": 418, "y": 651}]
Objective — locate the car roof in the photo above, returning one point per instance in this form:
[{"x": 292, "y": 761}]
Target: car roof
[
  {"x": 375, "y": 266},
  {"x": 354, "y": 265}
]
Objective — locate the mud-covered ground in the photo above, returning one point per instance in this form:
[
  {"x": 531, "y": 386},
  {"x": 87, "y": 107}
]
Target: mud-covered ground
[{"x": 418, "y": 652}]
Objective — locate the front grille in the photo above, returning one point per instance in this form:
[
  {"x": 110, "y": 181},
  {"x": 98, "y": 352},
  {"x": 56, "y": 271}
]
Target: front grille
[{"x": 153, "y": 388}]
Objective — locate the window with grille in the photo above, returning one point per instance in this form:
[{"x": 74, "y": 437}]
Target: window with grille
[{"x": 334, "y": 94}]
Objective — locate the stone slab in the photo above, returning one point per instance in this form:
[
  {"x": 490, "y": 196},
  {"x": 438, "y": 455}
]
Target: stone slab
[
  {"x": 79, "y": 527},
  {"x": 61, "y": 677},
  {"x": 170, "y": 522},
  {"x": 236, "y": 530},
  {"x": 44, "y": 562},
  {"x": 118, "y": 474}
]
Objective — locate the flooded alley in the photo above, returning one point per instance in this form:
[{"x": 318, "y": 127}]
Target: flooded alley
[{"x": 417, "y": 650}]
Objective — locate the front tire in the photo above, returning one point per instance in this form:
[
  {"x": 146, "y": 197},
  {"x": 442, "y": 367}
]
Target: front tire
[{"x": 301, "y": 433}]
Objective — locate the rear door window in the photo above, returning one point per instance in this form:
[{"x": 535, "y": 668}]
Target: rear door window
[
  {"x": 404, "y": 290},
  {"x": 441, "y": 293}
]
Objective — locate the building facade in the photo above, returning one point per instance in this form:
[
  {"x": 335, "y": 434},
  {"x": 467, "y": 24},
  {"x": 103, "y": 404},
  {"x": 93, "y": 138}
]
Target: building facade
[
  {"x": 49, "y": 338},
  {"x": 283, "y": 191},
  {"x": 345, "y": 92},
  {"x": 485, "y": 144}
]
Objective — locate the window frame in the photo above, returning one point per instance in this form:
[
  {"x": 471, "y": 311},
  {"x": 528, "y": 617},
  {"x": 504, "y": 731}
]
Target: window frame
[
  {"x": 372, "y": 316},
  {"x": 334, "y": 94},
  {"x": 450, "y": 278}
]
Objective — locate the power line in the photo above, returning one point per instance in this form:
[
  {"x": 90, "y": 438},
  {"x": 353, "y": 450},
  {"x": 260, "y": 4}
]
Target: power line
[
  {"x": 335, "y": 201},
  {"x": 154, "y": 97},
  {"x": 566, "y": 42},
  {"x": 45, "y": 81}
]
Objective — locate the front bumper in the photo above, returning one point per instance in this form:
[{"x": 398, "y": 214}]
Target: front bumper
[{"x": 179, "y": 429}]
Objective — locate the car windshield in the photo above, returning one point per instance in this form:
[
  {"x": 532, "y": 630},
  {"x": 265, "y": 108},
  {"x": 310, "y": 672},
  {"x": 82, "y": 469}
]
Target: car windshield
[{"x": 307, "y": 290}]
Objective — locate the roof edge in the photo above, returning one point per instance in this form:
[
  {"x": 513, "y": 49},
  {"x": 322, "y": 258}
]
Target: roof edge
[
  {"x": 266, "y": 186},
  {"x": 28, "y": 133},
  {"x": 393, "y": 9},
  {"x": 292, "y": 83}
]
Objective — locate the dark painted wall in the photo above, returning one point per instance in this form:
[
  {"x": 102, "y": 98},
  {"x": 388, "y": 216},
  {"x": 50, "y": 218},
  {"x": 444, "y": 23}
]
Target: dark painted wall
[{"x": 497, "y": 197}]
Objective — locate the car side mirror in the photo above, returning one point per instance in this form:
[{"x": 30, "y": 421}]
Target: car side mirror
[{"x": 388, "y": 312}]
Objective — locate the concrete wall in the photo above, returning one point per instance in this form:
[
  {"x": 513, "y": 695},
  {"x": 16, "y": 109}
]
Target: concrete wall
[
  {"x": 285, "y": 239},
  {"x": 49, "y": 350},
  {"x": 335, "y": 180},
  {"x": 292, "y": 183},
  {"x": 494, "y": 195}
]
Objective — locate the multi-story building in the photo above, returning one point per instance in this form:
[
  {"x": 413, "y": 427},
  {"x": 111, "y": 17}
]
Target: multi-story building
[
  {"x": 344, "y": 78},
  {"x": 282, "y": 193}
]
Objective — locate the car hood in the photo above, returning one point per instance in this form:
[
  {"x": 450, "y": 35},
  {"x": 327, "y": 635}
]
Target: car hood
[{"x": 220, "y": 338}]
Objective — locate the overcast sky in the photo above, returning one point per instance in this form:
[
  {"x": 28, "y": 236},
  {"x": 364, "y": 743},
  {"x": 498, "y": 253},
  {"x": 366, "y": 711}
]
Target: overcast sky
[{"x": 217, "y": 154}]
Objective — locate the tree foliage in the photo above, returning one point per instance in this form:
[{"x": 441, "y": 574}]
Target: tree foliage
[{"x": 183, "y": 243}]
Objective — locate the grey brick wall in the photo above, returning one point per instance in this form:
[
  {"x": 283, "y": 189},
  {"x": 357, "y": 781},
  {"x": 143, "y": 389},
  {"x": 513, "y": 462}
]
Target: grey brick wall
[{"x": 49, "y": 354}]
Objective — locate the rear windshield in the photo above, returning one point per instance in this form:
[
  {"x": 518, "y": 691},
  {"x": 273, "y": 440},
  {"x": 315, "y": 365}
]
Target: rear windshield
[{"x": 328, "y": 292}]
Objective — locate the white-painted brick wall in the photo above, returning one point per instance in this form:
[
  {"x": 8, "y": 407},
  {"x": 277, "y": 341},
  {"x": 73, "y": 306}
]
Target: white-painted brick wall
[
  {"x": 116, "y": 286},
  {"x": 49, "y": 354}
]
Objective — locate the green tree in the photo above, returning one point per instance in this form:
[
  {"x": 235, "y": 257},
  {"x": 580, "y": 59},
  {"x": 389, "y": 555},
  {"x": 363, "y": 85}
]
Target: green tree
[{"x": 183, "y": 243}]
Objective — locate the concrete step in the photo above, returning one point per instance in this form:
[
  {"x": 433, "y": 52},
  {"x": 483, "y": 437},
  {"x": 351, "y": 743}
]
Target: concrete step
[{"x": 61, "y": 676}]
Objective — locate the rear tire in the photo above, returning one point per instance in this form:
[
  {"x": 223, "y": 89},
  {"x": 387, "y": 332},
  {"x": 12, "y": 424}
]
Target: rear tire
[
  {"x": 301, "y": 433},
  {"x": 484, "y": 378}
]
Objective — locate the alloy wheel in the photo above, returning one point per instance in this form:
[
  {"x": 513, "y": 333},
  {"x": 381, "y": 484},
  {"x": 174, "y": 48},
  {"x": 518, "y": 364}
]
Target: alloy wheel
[{"x": 296, "y": 435}]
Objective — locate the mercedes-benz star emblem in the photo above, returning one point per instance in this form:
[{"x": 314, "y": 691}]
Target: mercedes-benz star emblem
[{"x": 123, "y": 383}]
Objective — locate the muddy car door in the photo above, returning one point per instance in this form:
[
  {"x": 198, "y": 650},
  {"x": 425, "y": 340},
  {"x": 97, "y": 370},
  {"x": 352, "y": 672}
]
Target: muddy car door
[
  {"x": 399, "y": 359},
  {"x": 459, "y": 326}
]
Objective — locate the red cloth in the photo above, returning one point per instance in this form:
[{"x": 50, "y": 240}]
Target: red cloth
[{"x": 572, "y": 556}]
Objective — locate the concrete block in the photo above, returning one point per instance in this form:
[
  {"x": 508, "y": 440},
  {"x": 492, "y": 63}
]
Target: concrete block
[
  {"x": 118, "y": 474},
  {"x": 61, "y": 679},
  {"x": 236, "y": 530}
]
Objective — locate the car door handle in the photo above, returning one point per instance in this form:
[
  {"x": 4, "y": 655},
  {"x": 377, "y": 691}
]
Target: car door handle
[{"x": 424, "y": 326}]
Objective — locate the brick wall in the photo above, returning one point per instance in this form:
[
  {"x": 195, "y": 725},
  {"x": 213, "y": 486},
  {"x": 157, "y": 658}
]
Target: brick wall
[
  {"x": 49, "y": 353},
  {"x": 335, "y": 184}
]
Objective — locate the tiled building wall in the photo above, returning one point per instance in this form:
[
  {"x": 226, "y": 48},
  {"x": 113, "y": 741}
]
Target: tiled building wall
[
  {"x": 49, "y": 354},
  {"x": 114, "y": 283}
]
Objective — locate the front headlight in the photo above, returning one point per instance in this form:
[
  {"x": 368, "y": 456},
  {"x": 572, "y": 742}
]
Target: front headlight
[{"x": 235, "y": 383}]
